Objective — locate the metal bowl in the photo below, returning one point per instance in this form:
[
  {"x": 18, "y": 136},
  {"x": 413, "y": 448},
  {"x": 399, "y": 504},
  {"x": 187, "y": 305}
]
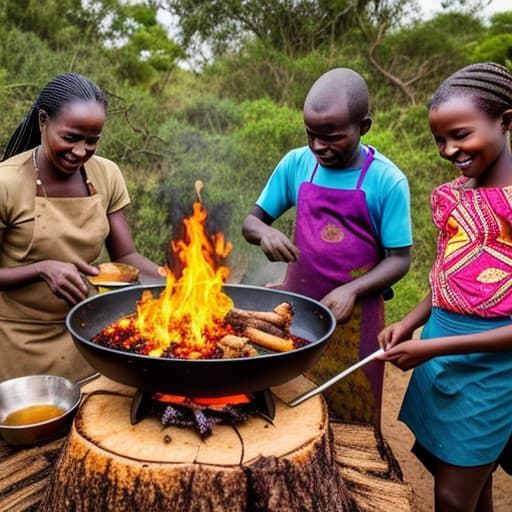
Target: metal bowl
[{"x": 37, "y": 390}]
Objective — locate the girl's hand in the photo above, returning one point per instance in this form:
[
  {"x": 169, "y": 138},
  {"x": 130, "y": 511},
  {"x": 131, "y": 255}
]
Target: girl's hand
[
  {"x": 65, "y": 280},
  {"x": 407, "y": 354},
  {"x": 394, "y": 334}
]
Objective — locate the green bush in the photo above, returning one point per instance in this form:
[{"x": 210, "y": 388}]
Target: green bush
[
  {"x": 403, "y": 135},
  {"x": 497, "y": 48}
]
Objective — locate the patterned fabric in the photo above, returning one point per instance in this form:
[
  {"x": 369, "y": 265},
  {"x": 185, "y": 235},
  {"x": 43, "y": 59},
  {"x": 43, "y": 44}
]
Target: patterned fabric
[{"x": 472, "y": 273}]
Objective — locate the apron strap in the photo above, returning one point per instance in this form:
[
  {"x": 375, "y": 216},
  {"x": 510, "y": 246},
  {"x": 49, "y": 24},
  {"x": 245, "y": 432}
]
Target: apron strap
[
  {"x": 368, "y": 160},
  {"x": 313, "y": 173}
]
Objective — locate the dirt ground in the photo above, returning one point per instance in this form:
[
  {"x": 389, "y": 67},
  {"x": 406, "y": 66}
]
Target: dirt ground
[{"x": 400, "y": 439}]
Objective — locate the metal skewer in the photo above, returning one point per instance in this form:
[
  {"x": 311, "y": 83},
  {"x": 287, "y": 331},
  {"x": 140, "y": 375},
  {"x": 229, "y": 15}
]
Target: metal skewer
[{"x": 336, "y": 378}]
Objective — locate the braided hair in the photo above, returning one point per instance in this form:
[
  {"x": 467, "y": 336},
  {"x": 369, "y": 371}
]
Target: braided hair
[
  {"x": 61, "y": 90},
  {"x": 487, "y": 83}
]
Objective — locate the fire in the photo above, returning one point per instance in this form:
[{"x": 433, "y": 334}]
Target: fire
[
  {"x": 188, "y": 315},
  {"x": 213, "y": 401}
]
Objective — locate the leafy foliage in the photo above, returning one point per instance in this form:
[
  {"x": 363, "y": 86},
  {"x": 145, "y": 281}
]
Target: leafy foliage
[
  {"x": 294, "y": 27},
  {"x": 497, "y": 48}
]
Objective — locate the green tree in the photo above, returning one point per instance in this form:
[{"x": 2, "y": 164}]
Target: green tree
[
  {"x": 147, "y": 54},
  {"x": 497, "y": 47},
  {"x": 56, "y": 22},
  {"x": 136, "y": 43},
  {"x": 501, "y": 23},
  {"x": 408, "y": 52},
  {"x": 294, "y": 27}
]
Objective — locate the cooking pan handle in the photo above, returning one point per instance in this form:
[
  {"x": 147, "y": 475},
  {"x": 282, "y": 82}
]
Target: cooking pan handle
[
  {"x": 336, "y": 378},
  {"x": 87, "y": 379}
]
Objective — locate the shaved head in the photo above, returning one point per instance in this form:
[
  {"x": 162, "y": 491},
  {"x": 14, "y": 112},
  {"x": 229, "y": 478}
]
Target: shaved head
[{"x": 342, "y": 89}]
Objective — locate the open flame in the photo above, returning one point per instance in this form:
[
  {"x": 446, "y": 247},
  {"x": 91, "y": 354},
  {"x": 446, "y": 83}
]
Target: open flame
[
  {"x": 193, "y": 318},
  {"x": 212, "y": 401},
  {"x": 190, "y": 311}
]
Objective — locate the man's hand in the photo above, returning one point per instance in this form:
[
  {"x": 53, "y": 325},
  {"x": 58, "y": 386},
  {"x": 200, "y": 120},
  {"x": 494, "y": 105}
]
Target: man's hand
[
  {"x": 277, "y": 247},
  {"x": 341, "y": 301}
]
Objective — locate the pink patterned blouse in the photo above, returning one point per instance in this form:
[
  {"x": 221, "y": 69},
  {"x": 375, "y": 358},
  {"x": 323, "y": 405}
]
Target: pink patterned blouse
[{"x": 472, "y": 272}]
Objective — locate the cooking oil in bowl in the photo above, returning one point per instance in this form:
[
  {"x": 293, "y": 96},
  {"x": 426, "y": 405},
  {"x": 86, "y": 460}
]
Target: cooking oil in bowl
[
  {"x": 32, "y": 414},
  {"x": 36, "y": 408}
]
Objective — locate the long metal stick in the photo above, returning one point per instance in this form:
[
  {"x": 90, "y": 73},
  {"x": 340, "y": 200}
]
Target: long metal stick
[
  {"x": 336, "y": 378},
  {"x": 87, "y": 379}
]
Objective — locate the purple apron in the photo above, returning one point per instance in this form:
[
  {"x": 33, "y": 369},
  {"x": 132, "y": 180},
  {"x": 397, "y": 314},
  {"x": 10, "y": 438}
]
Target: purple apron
[{"x": 338, "y": 243}]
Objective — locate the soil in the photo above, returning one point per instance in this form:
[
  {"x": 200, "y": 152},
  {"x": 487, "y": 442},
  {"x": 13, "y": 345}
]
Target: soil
[{"x": 400, "y": 439}]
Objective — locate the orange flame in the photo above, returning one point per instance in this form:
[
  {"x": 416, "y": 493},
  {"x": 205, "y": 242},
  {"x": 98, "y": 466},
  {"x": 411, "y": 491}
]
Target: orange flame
[
  {"x": 192, "y": 306},
  {"x": 212, "y": 401}
]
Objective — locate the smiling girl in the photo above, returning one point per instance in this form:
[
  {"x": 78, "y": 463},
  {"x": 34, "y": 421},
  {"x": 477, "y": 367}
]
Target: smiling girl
[
  {"x": 59, "y": 205},
  {"x": 459, "y": 400}
]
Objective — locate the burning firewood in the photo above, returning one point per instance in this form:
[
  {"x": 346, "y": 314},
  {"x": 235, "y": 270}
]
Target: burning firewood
[
  {"x": 281, "y": 316},
  {"x": 268, "y": 340},
  {"x": 239, "y": 331}
]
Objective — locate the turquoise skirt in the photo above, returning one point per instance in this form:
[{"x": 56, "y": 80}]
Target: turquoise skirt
[{"x": 459, "y": 407}]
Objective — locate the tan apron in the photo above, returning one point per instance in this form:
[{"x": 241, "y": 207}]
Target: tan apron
[{"x": 33, "y": 334}]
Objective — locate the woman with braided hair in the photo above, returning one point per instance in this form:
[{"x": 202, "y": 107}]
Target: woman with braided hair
[
  {"x": 59, "y": 206},
  {"x": 459, "y": 400}
]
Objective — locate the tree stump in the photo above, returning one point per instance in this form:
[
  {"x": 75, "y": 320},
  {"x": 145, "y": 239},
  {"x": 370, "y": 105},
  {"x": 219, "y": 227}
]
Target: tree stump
[{"x": 108, "y": 464}]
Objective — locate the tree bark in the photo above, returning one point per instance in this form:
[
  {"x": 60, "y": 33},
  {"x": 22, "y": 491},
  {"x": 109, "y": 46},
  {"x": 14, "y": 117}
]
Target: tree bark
[{"x": 107, "y": 464}]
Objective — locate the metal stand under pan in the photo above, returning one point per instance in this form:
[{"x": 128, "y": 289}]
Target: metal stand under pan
[{"x": 261, "y": 404}]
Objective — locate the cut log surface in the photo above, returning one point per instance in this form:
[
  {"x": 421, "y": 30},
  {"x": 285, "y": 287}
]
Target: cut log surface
[
  {"x": 88, "y": 476},
  {"x": 109, "y": 464}
]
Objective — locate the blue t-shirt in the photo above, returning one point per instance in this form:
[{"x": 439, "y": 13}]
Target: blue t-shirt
[{"x": 385, "y": 186}]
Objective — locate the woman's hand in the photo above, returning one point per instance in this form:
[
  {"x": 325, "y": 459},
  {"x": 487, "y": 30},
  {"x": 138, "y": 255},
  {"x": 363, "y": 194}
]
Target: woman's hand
[{"x": 66, "y": 280}]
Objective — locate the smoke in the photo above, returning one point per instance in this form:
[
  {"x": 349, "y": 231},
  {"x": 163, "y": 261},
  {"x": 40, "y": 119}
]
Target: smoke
[{"x": 262, "y": 272}]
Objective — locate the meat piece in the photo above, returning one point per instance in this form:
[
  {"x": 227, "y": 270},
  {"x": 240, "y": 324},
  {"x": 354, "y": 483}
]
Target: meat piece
[{"x": 281, "y": 316}]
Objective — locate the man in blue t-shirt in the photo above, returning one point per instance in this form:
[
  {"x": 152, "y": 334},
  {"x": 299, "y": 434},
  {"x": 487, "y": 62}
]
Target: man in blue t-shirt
[{"x": 352, "y": 233}]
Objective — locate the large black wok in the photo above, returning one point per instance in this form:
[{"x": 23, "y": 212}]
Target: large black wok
[{"x": 204, "y": 377}]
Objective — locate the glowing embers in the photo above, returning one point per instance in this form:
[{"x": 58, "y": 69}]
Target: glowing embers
[
  {"x": 243, "y": 333},
  {"x": 202, "y": 414}
]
